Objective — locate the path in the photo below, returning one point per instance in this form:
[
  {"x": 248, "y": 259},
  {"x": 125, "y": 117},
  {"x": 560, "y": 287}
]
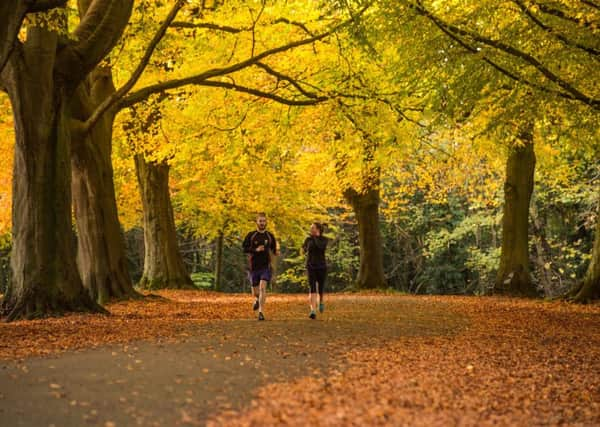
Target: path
[{"x": 218, "y": 367}]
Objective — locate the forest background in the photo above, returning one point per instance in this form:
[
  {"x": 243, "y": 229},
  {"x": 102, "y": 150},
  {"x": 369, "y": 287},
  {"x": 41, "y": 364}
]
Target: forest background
[{"x": 450, "y": 147}]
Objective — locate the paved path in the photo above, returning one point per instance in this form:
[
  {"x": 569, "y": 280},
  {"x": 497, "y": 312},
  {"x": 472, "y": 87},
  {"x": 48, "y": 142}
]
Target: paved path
[{"x": 217, "y": 368}]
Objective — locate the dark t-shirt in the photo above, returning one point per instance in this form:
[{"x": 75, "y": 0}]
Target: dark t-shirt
[
  {"x": 314, "y": 248},
  {"x": 259, "y": 260}
]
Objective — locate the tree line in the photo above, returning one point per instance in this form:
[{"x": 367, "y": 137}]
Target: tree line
[{"x": 377, "y": 76}]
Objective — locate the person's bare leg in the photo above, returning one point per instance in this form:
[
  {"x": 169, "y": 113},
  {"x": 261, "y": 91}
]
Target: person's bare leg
[
  {"x": 262, "y": 296},
  {"x": 313, "y": 301},
  {"x": 255, "y": 295}
]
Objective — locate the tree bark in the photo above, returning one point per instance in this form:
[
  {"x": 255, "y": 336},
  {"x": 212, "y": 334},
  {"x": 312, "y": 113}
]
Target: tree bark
[
  {"x": 219, "y": 261},
  {"x": 101, "y": 248},
  {"x": 366, "y": 209},
  {"x": 163, "y": 263},
  {"x": 589, "y": 289},
  {"x": 513, "y": 275},
  {"x": 12, "y": 13},
  {"x": 45, "y": 280}
]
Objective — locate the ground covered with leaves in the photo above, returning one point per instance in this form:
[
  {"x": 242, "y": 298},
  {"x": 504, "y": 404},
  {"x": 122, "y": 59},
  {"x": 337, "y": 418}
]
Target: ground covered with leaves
[{"x": 368, "y": 360}]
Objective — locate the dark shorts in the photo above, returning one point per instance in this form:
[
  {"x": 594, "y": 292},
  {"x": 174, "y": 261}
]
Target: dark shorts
[
  {"x": 317, "y": 276},
  {"x": 258, "y": 275}
]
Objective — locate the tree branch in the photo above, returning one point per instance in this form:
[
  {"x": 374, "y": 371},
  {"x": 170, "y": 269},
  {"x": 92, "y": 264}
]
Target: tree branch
[
  {"x": 591, "y": 4},
  {"x": 553, "y": 31},
  {"x": 474, "y": 51},
  {"x": 236, "y": 30},
  {"x": 97, "y": 33},
  {"x": 296, "y": 23},
  {"x": 144, "y": 93},
  {"x": 548, "y": 10},
  {"x": 209, "y": 26},
  {"x": 109, "y": 102},
  {"x": 514, "y": 52},
  {"x": 263, "y": 94},
  {"x": 286, "y": 78}
]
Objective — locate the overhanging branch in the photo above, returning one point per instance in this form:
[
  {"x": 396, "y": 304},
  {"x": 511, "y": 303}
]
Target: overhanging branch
[
  {"x": 554, "y": 32},
  {"x": 143, "y": 93},
  {"x": 263, "y": 94},
  {"x": 209, "y": 26},
  {"x": 97, "y": 33},
  {"x": 110, "y": 101},
  {"x": 529, "y": 59},
  {"x": 284, "y": 77}
]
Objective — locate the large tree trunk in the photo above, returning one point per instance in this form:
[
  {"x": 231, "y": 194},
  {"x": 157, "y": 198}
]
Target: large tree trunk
[
  {"x": 163, "y": 263},
  {"x": 513, "y": 275},
  {"x": 45, "y": 280},
  {"x": 366, "y": 209},
  {"x": 589, "y": 289},
  {"x": 40, "y": 76},
  {"x": 101, "y": 248}
]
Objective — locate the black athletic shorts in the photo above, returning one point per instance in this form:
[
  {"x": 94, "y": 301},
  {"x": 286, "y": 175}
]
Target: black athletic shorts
[{"x": 317, "y": 275}]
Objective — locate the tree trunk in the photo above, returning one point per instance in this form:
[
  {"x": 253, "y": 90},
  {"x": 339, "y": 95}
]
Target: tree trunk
[
  {"x": 589, "y": 289},
  {"x": 513, "y": 275},
  {"x": 219, "y": 261},
  {"x": 366, "y": 209},
  {"x": 45, "y": 280},
  {"x": 163, "y": 263},
  {"x": 101, "y": 248}
]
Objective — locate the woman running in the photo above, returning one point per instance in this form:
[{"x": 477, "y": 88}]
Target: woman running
[{"x": 314, "y": 247}]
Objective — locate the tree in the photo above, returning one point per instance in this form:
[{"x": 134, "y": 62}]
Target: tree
[
  {"x": 40, "y": 76},
  {"x": 514, "y": 277},
  {"x": 541, "y": 53},
  {"x": 101, "y": 250},
  {"x": 163, "y": 264},
  {"x": 550, "y": 47},
  {"x": 153, "y": 169},
  {"x": 365, "y": 200}
]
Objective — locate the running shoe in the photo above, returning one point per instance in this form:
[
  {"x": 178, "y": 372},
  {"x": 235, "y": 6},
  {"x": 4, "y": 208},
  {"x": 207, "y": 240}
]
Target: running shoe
[
  {"x": 312, "y": 315},
  {"x": 261, "y": 316},
  {"x": 321, "y": 307},
  {"x": 256, "y": 305}
]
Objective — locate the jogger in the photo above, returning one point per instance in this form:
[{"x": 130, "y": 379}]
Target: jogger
[
  {"x": 316, "y": 266},
  {"x": 260, "y": 246}
]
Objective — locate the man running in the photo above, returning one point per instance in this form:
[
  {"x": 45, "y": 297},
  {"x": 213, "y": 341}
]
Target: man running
[{"x": 260, "y": 246}]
